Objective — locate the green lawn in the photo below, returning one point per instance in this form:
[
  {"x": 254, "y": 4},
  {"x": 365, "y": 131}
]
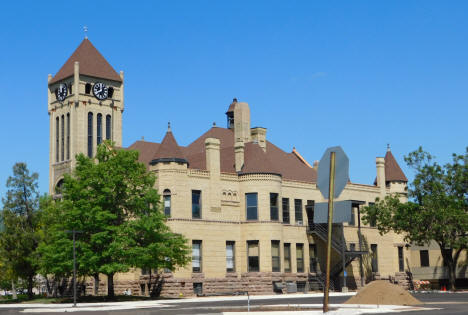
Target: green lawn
[{"x": 83, "y": 299}]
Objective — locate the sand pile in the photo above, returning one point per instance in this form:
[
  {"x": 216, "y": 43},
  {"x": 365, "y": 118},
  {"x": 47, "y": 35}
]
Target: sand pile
[{"x": 383, "y": 292}]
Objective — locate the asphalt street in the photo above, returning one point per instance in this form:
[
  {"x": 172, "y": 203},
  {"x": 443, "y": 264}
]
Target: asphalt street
[{"x": 449, "y": 303}]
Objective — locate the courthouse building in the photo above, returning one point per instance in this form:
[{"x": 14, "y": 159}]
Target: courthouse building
[{"x": 245, "y": 205}]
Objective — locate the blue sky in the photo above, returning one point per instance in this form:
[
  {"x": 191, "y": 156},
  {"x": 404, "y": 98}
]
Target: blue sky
[{"x": 359, "y": 74}]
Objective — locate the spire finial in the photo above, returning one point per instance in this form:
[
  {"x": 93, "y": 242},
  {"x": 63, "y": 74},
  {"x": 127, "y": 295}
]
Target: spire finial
[
  {"x": 214, "y": 123},
  {"x": 169, "y": 126},
  {"x": 85, "y": 29},
  {"x": 388, "y": 147}
]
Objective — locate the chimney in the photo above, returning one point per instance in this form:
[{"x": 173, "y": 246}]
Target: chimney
[
  {"x": 239, "y": 153},
  {"x": 316, "y": 164},
  {"x": 259, "y": 136},
  {"x": 213, "y": 163},
  {"x": 241, "y": 122},
  {"x": 380, "y": 164}
]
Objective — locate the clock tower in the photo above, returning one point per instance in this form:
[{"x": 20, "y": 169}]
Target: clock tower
[{"x": 85, "y": 106}]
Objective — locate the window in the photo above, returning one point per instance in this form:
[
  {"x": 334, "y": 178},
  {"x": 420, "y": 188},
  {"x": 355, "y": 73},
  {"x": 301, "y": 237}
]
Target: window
[
  {"x": 287, "y": 257},
  {"x": 374, "y": 260},
  {"x": 57, "y": 139},
  {"x": 110, "y": 92},
  {"x": 300, "y": 257},
  {"x": 70, "y": 87},
  {"x": 372, "y": 221},
  {"x": 253, "y": 262},
  {"x": 88, "y": 88},
  {"x": 196, "y": 256},
  {"x": 198, "y": 288},
  {"x": 196, "y": 204},
  {"x": 275, "y": 256},
  {"x": 298, "y": 210},
  {"x": 352, "y": 247},
  {"x": 230, "y": 120},
  {"x": 274, "y": 215},
  {"x": 313, "y": 258},
  {"x": 310, "y": 213},
  {"x": 230, "y": 256},
  {"x": 401, "y": 264},
  {"x": 285, "y": 210},
  {"x": 99, "y": 129},
  {"x": 68, "y": 136},
  {"x": 108, "y": 127},
  {"x": 424, "y": 256},
  {"x": 63, "y": 138},
  {"x": 251, "y": 202},
  {"x": 90, "y": 134},
  {"x": 167, "y": 202},
  {"x": 352, "y": 221}
]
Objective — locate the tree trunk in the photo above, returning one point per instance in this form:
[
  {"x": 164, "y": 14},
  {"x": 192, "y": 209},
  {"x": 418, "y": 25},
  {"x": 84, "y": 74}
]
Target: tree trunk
[
  {"x": 150, "y": 291},
  {"x": 96, "y": 284},
  {"x": 450, "y": 265},
  {"x": 30, "y": 287},
  {"x": 110, "y": 285},
  {"x": 13, "y": 290}
]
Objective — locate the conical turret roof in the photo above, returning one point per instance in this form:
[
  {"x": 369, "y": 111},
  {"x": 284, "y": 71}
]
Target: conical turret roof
[
  {"x": 169, "y": 150},
  {"x": 91, "y": 61},
  {"x": 393, "y": 171}
]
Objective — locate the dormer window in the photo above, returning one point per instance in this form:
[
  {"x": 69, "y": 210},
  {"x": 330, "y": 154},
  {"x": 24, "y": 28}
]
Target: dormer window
[{"x": 88, "y": 88}]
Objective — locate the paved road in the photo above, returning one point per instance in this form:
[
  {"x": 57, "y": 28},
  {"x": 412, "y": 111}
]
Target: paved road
[{"x": 446, "y": 303}]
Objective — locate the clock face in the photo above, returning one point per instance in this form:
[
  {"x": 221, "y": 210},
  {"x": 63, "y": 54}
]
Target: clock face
[
  {"x": 100, "y": 91},
  {"x": 62, "y": 92}
]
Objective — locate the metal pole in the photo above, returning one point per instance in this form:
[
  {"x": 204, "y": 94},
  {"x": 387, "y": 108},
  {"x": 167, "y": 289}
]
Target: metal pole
[
  {"x": 74, "y": 271},
  {"x": 361, "y": 269},
  {"x": 331, "y": 192},
  {"x": 343, "y": 248}
]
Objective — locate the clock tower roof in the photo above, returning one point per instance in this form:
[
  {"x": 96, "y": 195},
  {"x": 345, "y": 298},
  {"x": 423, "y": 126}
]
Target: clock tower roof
[{"x": 91, "y": 61}]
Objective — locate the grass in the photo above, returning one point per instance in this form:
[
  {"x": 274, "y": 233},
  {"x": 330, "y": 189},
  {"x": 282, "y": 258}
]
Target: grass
[{"x": 23, "y": 299}]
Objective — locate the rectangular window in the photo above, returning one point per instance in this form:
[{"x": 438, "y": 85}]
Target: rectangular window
[
  {"x": 253, "y": 252},
  {"x": 57, "y": 137},
  {"x": 300, "y": 257},
  {"x": 230, "y": 256},
  {"x": 99, "y": 129},
  {"x": 63, "y": 137},
  {"x": 424, "y": 256},
  {"x": 298, "y": 211},
  {"x": 196, "y": 256},
  {"x": 313, "y": 258},
  {"x": 401, "y": 263},
  {"x": 286, "y": 210},
  {"x": 196, "y": 204},
  {"x": 274, "y": 215},
  {"x": 167, "y": 205},
  {"x": 68, "y": 136},
  {"x": 90, "y": 134},
  {"x": 251, "y": 203},
  {"x": 372, "y": 222},
  {"x": 374, "y": 258},
  {"x": 108, "y": 127},
  {"x": 287, "y": 257},
  {"x": 310, "y": 213},
  {"x": 198, "y": 288},
  {"x": 275, "y": 256}
]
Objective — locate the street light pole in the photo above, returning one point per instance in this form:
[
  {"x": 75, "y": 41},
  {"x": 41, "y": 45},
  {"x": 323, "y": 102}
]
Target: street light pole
[{"x": 73, "y": 232}]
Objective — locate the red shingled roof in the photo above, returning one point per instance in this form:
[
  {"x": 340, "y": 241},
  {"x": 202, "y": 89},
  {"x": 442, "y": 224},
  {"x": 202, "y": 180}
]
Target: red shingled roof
[
  {"x": 393, "y": 171},
  {"x": 169, "y": 149},
  {"x": 147, "y": 150},
  {"x": 91, "y": 61},
  {"x": 273, "y": 161}
]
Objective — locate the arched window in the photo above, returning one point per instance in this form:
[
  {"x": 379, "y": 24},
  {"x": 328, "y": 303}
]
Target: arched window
[
  {"x": 59, "y": 186},
  {"x": 167, "y": 202},
  {"x": 90, "y": 134},
  {"x": 99, "y": 129},
  {"x": 63, "y": 137},
  {"x": 110, "y": 92},
  {"x": 68, "y": 136},
  {"x": 108, "y": 127},
  {"x": 57, "y": 139},
  {"x": 88, "y": 88}
]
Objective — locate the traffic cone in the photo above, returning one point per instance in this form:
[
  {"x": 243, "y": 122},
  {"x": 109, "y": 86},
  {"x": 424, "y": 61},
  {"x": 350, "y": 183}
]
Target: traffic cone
[{"x": 444, "y": 289}]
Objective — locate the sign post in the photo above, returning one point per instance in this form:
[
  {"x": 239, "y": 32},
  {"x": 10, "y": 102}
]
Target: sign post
[{"x": 331, "y": 180}]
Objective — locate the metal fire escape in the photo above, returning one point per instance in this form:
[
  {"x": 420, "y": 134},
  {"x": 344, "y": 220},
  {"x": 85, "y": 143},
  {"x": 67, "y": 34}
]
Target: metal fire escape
[{"x": 347, "y": 250}]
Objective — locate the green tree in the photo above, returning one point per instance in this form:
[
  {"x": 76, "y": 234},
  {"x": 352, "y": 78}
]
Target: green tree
[
  {"x": 20, "y": 216},
  {"x": 438, "y": 210},
  {"x": 112, "y": 202}
]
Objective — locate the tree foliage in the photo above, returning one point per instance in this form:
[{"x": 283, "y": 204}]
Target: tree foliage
[
  {"x": 20, "y": 217},
  {"x": 111, "y": 201},
  {"x": 438, "y": 210}
]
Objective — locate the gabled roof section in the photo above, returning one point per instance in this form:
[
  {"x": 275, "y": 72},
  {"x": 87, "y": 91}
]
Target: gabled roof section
[
  {"x": 146, "y": 149},
  {"x": 92, "y": 63},
  {"x": 169, "y": 150},
  {"x": 256, "y": 161},
  {"x": 393, "y": 171}
]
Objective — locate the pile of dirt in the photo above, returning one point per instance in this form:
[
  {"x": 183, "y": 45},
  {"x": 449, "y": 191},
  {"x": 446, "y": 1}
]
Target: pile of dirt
[{"x": 382, "y": 292}]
